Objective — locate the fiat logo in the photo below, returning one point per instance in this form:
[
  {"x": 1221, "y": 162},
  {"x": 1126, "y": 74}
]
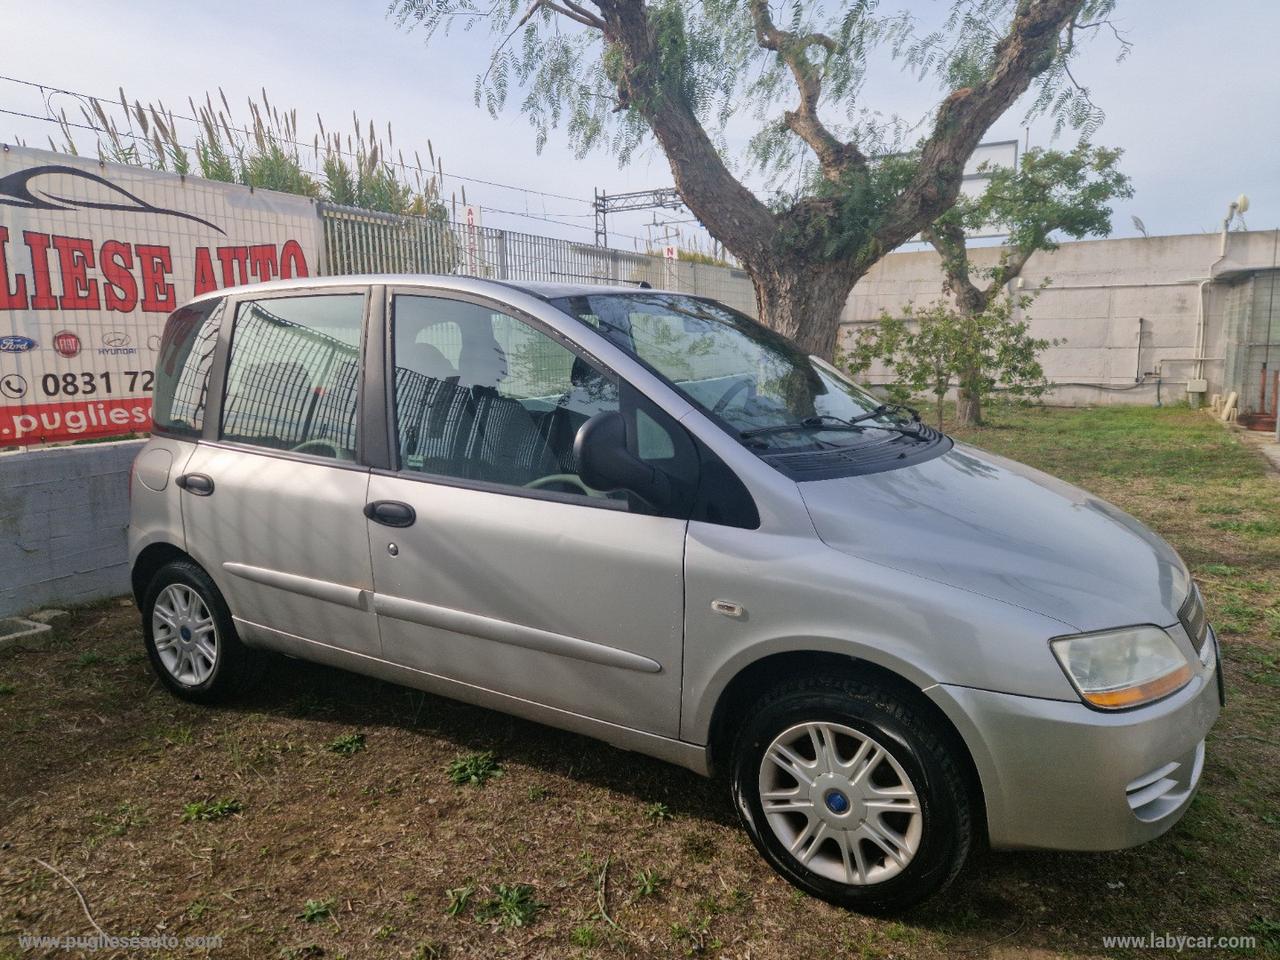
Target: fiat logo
[{"x": 66, "y": 343}]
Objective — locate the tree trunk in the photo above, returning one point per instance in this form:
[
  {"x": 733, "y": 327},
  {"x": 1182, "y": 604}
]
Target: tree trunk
[
  {"x": 968, "y": 405},
  {"x": 804, "y": 301},
  {"x": 972, "y": 303}
]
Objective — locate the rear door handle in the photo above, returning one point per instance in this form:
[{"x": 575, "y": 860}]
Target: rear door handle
[
  {"x": 200, "y": 484},
  {"x": 390, "y": 513}
]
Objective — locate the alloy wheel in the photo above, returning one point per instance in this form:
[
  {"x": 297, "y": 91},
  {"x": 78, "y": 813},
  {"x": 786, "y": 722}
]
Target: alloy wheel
[
  {"x": 840, "y": 803},
  {"x": 185, "y": 635}
]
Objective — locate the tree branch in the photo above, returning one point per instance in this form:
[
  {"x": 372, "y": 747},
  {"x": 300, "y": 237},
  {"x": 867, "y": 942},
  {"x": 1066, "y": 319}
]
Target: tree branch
[
  {"x": 651, "y": 84},
  {"x": 1011, "y": 263},
  {"x": 1023, "y": 53},
  {"x": 834, "y": 157},
  {"x": 570, "y": 9},
  {"x": 947, "y": 237}
]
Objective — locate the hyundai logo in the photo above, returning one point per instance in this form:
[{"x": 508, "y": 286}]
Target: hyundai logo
[{"x": 116, "y": 338}]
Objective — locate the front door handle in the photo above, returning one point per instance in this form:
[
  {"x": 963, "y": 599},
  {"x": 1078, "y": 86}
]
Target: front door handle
[
  {"x": 390, "y": 513},
  {"x": 201, "y": 484}
]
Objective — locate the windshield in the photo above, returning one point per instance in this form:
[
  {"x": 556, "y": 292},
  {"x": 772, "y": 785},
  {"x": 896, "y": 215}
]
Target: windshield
[{"x": 756, "y": 382}]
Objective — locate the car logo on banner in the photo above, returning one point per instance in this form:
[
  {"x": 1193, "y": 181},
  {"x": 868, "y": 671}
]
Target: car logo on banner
[
  {"x": 67, "y": 343},
  {"x": 16, "y": 344},
  {"x": 13, "y": 386},
  {"x": 116, "y": 343}
]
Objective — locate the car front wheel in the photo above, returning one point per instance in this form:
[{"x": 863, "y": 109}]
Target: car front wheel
[{"x": 852, "y": 793}]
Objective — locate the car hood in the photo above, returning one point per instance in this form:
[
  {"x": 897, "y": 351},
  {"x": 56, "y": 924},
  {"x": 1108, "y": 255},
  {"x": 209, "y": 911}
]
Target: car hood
[{"x": 1001, "y": 529}]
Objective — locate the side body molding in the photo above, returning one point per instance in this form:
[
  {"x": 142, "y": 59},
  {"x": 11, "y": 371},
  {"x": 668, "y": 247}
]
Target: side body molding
[
  {"x": 443, "y": 618},
  {"x": 502, "y": 631},
  {"x": 327, "y": 590}
]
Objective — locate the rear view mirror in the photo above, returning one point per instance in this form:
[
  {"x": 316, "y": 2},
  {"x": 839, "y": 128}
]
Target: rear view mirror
[{"x": 605, "y": 461}]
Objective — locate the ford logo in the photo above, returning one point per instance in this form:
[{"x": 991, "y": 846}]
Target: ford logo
[{"x": 16, "y": 344}]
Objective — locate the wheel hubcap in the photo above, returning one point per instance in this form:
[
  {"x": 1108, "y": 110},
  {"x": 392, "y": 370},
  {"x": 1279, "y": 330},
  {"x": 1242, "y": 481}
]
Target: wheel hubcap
[
  {"x": 840, "y": 803},
  {"x": 184, "y": 633}
]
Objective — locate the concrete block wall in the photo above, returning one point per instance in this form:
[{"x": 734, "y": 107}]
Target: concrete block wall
[
  {"x": 1097, "y": 293},
  {"x": 64, "y": 512}
]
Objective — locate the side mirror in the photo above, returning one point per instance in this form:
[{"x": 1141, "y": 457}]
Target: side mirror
[{"x": 605, "y": 462}]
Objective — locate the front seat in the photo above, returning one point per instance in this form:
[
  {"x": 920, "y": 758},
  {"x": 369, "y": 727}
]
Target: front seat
[{"x": 505, "y": 446}]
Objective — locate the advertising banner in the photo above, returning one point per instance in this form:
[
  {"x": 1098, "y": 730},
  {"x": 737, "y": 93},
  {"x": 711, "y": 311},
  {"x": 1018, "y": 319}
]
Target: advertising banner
[{"x": 93, "y": 259}]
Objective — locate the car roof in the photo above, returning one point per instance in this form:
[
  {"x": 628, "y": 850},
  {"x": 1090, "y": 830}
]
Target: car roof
[{"x": 544, "y": 290}]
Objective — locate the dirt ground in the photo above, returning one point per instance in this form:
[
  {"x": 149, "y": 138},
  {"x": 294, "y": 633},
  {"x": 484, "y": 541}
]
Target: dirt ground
[{"x": 318, "y": 818}]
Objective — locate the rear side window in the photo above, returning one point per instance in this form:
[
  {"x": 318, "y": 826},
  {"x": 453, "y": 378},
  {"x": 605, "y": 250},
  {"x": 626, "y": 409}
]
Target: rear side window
[
  {"x": 293, "y": 375},
  {"x": 182, "y": 369}
]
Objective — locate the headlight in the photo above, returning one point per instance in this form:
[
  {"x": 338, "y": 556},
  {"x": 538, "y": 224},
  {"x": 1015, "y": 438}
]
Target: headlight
[{"x": 1123, "y": 668}]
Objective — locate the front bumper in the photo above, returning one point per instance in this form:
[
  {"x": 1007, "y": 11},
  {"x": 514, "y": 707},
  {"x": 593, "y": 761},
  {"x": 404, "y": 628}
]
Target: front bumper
[{"x": 1059, "y": 775}]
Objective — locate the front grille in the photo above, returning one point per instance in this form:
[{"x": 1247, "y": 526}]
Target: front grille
[{"x": 1193, "y": 619}]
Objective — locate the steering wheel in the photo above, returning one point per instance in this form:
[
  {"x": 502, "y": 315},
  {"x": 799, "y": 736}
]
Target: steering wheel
[
  {"x": 572, "y": 479},
  {"x": 737, "y": 387},
  {"x": 320, "y": 448}
]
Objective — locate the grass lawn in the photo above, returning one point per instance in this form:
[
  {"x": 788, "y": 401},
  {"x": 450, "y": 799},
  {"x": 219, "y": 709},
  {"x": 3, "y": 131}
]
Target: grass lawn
[{"x": 333, "y": 816}]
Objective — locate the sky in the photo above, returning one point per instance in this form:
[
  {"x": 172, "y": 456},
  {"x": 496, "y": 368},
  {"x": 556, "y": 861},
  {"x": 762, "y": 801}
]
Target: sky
[{"x": 1195, "y": 105}]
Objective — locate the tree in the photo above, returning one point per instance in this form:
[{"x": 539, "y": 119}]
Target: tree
[
  {"x": 614, "y": 71},
  {"x": 929, "y": 348},
  {"x": 1051, "y": 193}
]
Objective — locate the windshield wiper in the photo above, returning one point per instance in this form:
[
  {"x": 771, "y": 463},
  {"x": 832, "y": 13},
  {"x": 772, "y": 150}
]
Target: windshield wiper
[
  {"x": 824, "y": 421},
  {"x": 880, "y": 411}
]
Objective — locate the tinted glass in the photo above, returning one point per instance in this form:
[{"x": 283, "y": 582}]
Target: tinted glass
[
  {"x": 182, "y": 369},
  {"x": 741, "y": 372},
  {"x": 293, "y": 376},
  {"x": 503, "y": 407}
]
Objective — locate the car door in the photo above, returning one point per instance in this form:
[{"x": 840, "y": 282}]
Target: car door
[
  {"x": 492, "y": 564},
  {"x": 273, "y": 496}
]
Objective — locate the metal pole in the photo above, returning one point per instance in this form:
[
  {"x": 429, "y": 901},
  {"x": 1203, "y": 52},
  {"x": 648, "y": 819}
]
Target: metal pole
[{"x": 601, "y": 205}]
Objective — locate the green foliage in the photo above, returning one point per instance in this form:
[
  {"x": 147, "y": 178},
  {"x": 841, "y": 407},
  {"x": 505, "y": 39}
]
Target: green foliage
[
  {"x": 474, "y": 768},
  {"x": 347, "y": 744},
  {"x": 929, "y": 349},
  {"x": 314, "y": 910},
  {"x": 648, "y": 882},
  {"x": 1051, "y": 193},
  {"x": 267, "y": 153},
  {"x": 211, "y": 809},
  {"x": 657, "y": 812},
  {"x": 119, "y": 821},
  {"x": 564, "y": 74},
  {"x": 458, "y": 898},
  {"x": 511, "y": 905}
]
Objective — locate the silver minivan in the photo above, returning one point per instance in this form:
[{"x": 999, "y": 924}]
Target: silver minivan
[{"x": 644, "y": 517}]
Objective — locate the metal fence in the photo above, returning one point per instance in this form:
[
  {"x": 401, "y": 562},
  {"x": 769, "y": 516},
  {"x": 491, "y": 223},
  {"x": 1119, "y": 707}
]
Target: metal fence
[{"x": 360, "y": 241}]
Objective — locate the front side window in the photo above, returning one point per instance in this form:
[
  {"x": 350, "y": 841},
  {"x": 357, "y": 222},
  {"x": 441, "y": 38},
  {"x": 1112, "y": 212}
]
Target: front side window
[
  {"x": 293, "y": 376},
  {"x": 505, "y": 405},
  {"x": 757, "y": 383},
  {"x": 182, "y": 369}
]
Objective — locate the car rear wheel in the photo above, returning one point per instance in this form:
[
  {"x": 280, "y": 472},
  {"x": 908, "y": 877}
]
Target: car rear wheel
[
  {"x": 852, "y": 793},
  {"x": 190, "y": 638}
]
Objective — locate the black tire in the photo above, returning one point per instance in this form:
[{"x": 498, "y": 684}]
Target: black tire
[
  {"x": 236, "y": 667},
  {"x": 893, "y": 721}
]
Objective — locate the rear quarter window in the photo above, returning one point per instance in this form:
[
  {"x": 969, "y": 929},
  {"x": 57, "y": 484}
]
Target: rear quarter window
[{"x": 182, "y": 369}]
